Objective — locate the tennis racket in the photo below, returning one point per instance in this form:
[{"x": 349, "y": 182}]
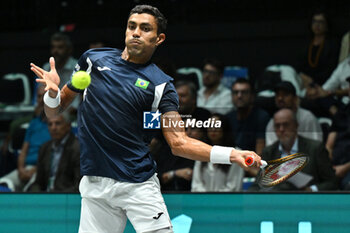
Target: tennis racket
[{"x": 276, "y": 171}]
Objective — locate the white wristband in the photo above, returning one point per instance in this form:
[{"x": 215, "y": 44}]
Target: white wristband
[
  {"x": 220, "y": 154},
  {"x": 52, "y": 102}
]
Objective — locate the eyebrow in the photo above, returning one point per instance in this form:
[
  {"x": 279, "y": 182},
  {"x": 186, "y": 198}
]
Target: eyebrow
[{"x": 142, "y": 24}]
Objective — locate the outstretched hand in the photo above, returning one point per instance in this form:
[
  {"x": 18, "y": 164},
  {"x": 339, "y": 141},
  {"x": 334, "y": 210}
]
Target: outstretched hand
[{"x": 49, "y": 78}]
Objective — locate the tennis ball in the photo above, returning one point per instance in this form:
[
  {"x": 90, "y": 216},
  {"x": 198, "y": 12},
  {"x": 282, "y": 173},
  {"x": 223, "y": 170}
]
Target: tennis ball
[{"x": 81, "y": 80}]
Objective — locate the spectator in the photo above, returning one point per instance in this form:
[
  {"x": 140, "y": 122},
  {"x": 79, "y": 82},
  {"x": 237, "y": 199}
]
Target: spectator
[
  {"x": 285, "y": 97},
  {"x": 15, "y": 135},
  {"x": 321, "y": 56},
  {"x": 36, "y": 134},
  {"x": 61, "y": 50},
  {"x": 338, "y": 145},
  {"x": 317, "y": 65},
  {"x": 319, "y": 170},
  {"x": 58, "y": 160},
  {"x": 175, "y": 173},
  {"x": 214, "y": 96},
  {"x": 209, "y": 177},
  {"x": 247, "y": 122}
]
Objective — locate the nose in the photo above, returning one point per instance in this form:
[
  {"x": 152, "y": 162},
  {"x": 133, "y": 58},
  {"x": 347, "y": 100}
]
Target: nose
[{"x": 136, "y": 32}]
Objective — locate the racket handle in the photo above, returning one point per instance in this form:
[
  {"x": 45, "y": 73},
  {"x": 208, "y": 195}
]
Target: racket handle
[{"x": 249, "y": 161}]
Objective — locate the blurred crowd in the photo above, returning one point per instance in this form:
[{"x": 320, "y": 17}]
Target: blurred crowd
[{"x": 288, "y": 109}]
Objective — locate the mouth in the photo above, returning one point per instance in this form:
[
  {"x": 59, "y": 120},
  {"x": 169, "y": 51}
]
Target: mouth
[{"x": 135, "y": 42}]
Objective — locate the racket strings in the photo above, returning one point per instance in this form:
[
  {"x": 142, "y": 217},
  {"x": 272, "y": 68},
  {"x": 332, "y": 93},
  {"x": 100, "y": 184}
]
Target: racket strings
[{"x": 277, "y": 173}]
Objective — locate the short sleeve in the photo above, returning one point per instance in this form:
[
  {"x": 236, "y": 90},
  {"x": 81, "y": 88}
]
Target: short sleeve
[{"x": 170, "y": 99}]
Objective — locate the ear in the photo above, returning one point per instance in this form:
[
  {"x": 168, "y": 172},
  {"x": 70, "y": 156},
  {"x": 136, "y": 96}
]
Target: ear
[{"x": 160, "y": 39}]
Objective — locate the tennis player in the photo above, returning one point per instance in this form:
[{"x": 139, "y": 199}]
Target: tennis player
[{"x": 119, "y": 179}]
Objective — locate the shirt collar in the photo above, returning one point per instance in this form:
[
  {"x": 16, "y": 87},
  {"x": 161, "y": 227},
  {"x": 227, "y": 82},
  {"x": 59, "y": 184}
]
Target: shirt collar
[
  {"x": 294, "y": 149},
  {"x": 218, "y": 89},
  {"x": 61, "y": 143}
]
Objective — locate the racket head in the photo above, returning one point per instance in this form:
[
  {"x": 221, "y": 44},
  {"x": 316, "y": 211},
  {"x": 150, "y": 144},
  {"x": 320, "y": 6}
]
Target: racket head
[{"x": 279, "y": 170}]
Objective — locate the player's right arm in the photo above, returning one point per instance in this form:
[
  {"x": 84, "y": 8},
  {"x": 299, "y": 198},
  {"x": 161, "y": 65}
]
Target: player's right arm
[
  {"x": 190, "y": 148},
  {"x": 51, "y": 79}
]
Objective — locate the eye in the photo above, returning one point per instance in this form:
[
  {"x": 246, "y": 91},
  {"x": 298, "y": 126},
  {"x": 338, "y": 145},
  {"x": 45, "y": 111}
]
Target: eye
[
  {"x": 131, "y": 27},
  {"x": 146, "y": 29}
]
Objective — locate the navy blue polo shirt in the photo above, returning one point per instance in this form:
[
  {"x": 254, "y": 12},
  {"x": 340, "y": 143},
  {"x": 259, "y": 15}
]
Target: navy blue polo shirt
[{"x": 110, "y": 117}]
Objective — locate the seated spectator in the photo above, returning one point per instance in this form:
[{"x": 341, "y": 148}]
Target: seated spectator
[
  {"x": 174, "y": 172},
  {"x": 62, "y": 50},
  {"x": 58, "y": 167},
  {"x": 285, "y": 97},
  {"x": 317, "y": 64},
  {"x": 8, "y": 159},
  {"x": 209, "y": 177},
  {"x": 319, "y": 170},
  {"x": 247, "y": 121},
  {"x": 214, "y": 96},
  {"x": 338, "y": 145},
  {"x": 36, "y": 135}
]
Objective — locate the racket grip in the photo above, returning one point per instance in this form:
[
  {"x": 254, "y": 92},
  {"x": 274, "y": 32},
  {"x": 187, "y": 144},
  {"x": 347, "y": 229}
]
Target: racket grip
[{"x": 249, "y": 161}]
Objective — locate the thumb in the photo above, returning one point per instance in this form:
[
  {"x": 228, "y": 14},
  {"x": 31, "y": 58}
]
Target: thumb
[{"x": 52, "y": 63}]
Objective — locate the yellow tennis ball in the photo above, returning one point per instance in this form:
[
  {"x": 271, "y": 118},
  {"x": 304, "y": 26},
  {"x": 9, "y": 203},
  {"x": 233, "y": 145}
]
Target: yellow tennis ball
[{"x": 81, "y": 80}]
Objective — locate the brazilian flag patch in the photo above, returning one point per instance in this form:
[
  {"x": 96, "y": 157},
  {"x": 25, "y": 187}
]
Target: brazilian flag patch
[{"x": 141, "y": 83}]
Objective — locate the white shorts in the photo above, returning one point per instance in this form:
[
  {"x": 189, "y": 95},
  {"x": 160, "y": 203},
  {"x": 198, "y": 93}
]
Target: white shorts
[{"x": 106, "y": 204}]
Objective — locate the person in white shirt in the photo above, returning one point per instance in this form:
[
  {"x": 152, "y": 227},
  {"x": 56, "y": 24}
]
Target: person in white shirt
[
  {"x": 61, "y": 49},
  {"x": 337, "y": 85},
  {"x": 285, "y": 97},
  {"x": 214, "y": 96},
  {"x": 209, "y": 177}
]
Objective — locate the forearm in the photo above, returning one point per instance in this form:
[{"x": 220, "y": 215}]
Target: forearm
[
  {"x": 191, "y": 149},
  {"x": 22, "y": 156}
]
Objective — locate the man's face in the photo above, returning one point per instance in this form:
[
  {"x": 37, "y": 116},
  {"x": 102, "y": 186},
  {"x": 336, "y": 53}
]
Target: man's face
[
  {"x": 58, "y": 127},
  {"x": 186, "y": 101},
  {"x": 211, "y": 76},
  {"x": 241, "y": 95},
  {"x": 60, "y": 51},
  {"x": 284, "y": 99},
  {"x": 141, "y": 38},
  {"x": 285, "y": 127}
]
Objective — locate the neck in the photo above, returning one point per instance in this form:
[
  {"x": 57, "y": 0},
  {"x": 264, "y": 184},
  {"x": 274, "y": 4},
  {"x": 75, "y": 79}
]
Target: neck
[
  {"x": 210, "y": 90},
  {"x": 134, "y": 59},
  {"x": 319, "y": 39},
  {"x": 287, "y": 146},
  {"x": 59, "y": 65},
  {"x": 243, "y": 113}
]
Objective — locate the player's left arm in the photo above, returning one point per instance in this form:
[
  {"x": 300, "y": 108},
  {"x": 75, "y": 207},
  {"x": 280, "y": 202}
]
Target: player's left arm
[{"x": 190, "y": 148}]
